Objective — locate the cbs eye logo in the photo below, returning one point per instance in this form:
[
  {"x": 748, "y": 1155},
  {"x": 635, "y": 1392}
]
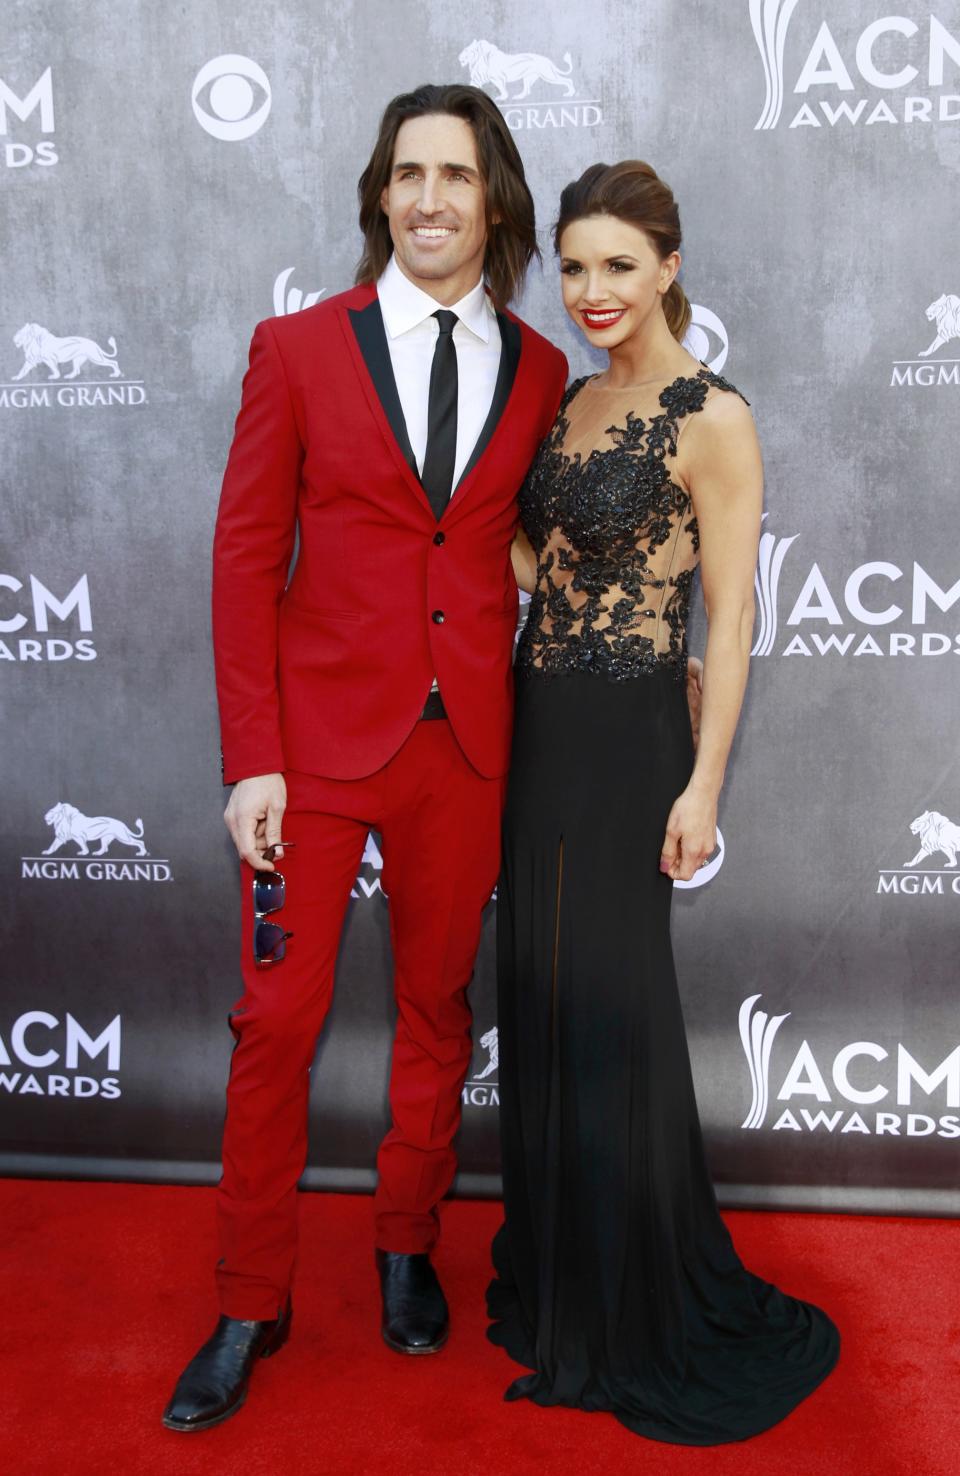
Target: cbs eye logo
[
  {"x": 707, "y": 338},
  {"x": 230, "y": 110}
]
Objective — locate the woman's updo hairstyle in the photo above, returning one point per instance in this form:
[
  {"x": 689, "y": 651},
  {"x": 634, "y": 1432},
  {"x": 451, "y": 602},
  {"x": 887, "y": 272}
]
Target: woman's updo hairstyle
[{"x": 632, "y": 192}]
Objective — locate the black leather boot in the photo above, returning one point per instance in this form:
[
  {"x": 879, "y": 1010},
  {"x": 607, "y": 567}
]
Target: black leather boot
[
  {"x": 415, "y": 1315},
  {"x": 213, "y": 1385}
]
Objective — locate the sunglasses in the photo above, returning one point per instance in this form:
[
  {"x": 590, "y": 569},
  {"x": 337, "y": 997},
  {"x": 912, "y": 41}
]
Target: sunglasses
[{"x": 269, "y": 895}]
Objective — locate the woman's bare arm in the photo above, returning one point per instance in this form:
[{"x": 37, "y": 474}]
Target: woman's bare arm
[
  {"x": 694, "y": 695},
  {"x": 723, "y": 469}
]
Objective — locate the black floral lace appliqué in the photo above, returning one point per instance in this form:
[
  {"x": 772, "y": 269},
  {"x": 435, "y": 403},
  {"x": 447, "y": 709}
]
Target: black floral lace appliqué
[{"x": 607, "y": 599}]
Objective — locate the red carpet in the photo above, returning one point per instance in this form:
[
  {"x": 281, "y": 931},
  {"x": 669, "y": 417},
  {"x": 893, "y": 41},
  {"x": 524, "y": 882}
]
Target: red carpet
[{"x": 107, "y": 1291}]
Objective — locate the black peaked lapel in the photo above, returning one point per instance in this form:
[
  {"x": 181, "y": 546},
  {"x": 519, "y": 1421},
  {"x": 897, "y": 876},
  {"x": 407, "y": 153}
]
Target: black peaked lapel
[
  {"x": 367, "y": 324},
  {"x": 506, "y": 374}
]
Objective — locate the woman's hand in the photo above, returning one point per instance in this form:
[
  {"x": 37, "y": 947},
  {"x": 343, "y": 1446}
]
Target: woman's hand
[
  {"x": 691, "y": 834},
  {"x": 695, "y": 696}
]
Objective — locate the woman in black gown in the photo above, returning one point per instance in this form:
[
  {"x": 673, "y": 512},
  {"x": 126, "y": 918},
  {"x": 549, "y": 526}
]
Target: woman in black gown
[{"x": 617, "y": 1282}]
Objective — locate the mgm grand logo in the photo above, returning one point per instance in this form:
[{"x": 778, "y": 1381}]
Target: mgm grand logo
[
  {"x": 934, "y": 871},
  {"x": 71, "y": 856},
  {"x": 58, "y": 363},
  {"x": 832, "y": 1091},
  {"x": 531, "y": 90},
  {"x": 483, "y": 1090},
  {"x": 926, "y": 371}
]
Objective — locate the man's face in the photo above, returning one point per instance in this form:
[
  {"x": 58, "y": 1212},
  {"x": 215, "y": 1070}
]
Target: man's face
[{"x": 436, "y": 205}]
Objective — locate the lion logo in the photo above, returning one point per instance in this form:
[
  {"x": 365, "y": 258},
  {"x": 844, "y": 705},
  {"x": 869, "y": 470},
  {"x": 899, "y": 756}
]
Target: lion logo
[
  {"x": 936, "y": 833},
  {"x": 70, "y": 825},
  {"x": 945, "y": 312},
  {"x": 491, "y": 1043},
  {"x": 488, "y": 63},
  {"x": 40, "y": 346}
]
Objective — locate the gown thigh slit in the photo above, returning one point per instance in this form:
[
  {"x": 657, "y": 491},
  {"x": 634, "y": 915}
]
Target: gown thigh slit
[{"x": 617, "y": 1284}]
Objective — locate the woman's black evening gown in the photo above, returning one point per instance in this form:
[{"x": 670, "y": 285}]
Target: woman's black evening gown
[{"x": 617, "y": 1282}]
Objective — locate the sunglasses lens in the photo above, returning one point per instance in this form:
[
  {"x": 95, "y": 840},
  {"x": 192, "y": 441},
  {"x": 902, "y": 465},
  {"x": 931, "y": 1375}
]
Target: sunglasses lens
[
  {"x": 269, "y": 943},
  {"x": 268, "y": 892}
]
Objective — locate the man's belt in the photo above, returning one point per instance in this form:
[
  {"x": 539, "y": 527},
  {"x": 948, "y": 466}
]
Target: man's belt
[{"x": 433, "y": 707}]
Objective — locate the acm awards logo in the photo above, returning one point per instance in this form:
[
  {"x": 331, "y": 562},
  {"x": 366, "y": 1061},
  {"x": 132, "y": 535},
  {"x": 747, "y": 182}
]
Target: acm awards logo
[
  {"x": 49, "y": 1064},
  {"x": 514, "y": 76},
  {"x": 944, "y": 314},
  {"x": 291, "y": 299},
  {"x": 938, "y": 838},
  {"x": 859, "y": 607},
  {"x": 82, "y": 849},
  {"x": 841, "y": 1085},
  {"x": 890, "y": 54},
  {"x": 483, "y": 1088},
  {"x": 224, "y": 97},
  {"x": 36, "y": 99},
  {"x": 368, "y": 883},
  {"x": 39, "y": 644}
]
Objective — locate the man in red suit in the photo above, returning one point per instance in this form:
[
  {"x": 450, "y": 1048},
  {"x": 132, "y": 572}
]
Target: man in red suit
[{"x": 392, "y": 425}]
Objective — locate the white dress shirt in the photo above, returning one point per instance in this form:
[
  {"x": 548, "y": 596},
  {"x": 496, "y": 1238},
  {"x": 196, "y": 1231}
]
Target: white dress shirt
[{"x": 412, "y": 333}]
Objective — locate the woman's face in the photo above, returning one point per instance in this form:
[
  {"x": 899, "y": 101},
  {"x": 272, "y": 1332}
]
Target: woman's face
[{"x": 613, "y": 280}]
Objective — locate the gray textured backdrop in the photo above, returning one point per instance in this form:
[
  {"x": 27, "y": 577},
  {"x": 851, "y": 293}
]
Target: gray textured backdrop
[{"x": 814, "y": 148}]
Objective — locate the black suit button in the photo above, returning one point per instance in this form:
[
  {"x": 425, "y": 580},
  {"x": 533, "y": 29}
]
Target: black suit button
[
  {"x": 439, "y": 539},
  {"x": 438, "y": 617}
]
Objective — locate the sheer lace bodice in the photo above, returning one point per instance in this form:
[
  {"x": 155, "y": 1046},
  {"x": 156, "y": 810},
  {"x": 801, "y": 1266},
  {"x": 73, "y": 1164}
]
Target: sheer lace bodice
[{"x": 614, "y": 532}]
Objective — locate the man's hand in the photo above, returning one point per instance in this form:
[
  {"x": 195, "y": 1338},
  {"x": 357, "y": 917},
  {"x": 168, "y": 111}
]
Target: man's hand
[
  {"x": 254, "y": 815},
  {"x": 695, "y": 695}
]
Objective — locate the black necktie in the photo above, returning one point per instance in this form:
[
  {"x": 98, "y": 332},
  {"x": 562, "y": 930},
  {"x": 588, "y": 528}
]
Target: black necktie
[{"x": 441, "y": 452}]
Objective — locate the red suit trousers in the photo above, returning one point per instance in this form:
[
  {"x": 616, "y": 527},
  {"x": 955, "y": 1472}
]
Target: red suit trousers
[{"x": 439, "y": 822}]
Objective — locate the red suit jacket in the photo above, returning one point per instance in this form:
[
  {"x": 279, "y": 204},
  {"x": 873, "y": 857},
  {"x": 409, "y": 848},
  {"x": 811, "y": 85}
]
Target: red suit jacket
[{"x": 328, "y": 674}]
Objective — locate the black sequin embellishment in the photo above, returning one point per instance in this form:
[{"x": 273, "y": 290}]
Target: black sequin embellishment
[{"x": 598, "y": 522}]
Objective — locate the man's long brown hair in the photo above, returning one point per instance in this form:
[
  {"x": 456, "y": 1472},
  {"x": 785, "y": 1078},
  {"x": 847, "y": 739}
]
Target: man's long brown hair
[{"x": 511, "y": 228}]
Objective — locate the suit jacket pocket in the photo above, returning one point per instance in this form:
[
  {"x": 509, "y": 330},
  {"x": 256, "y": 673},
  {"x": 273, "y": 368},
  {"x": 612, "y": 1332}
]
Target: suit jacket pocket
[{"x": 308, "y": 613}]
